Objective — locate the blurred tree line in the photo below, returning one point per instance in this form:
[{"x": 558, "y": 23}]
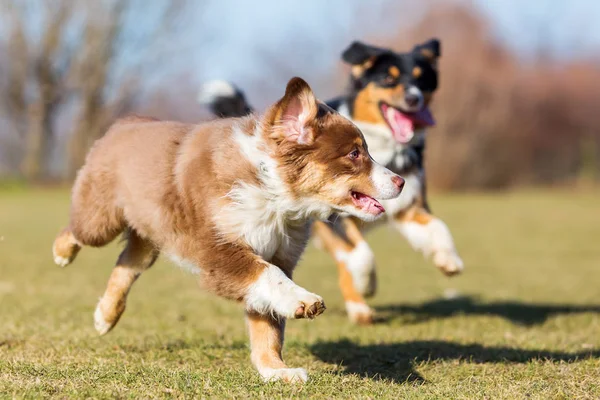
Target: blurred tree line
[
  {"x": 71, "y": 64},
  {"x": 505, "y": 121},
  {"x": 68, "y": 68}
]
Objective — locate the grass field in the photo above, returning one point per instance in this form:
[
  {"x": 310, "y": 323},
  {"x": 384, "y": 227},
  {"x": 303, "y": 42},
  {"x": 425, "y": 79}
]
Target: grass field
[{"x": 525, "y": 323}]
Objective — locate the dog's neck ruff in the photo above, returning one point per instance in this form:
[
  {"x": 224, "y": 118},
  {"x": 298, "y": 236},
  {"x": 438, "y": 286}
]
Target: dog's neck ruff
[{"x": 265, "y": 216}]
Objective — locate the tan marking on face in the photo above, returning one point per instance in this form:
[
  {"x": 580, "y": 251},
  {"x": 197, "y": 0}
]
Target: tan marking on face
[
  {"x": 417, "y": 71},
  {"x": 394, "y": 71},
  {"x": 366, "y": 104}
]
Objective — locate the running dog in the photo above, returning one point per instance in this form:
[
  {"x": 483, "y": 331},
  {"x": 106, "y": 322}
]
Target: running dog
[
  {"x": 231, "y": 200},
  {"x": 388, "y": 99}
]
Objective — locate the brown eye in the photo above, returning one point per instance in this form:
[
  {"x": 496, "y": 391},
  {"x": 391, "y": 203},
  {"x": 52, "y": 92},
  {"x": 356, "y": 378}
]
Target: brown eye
[{"x": 354, "y": 154}]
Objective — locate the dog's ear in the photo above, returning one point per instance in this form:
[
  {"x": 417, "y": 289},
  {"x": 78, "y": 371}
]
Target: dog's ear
[
  {"x": 361, "y": 56},
  {"x": 358, "y": 53},
  {"x": 292, "y": 115},
  {"x": 430, "y": 50}
]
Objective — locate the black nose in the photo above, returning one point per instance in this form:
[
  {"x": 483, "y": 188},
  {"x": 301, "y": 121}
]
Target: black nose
[{"x": 412, "y": 99}]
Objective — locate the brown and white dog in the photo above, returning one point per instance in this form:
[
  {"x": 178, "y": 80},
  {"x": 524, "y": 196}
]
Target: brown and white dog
[
  {"x": 231, "y": 200},
  {"x": 388, "y": 100}
]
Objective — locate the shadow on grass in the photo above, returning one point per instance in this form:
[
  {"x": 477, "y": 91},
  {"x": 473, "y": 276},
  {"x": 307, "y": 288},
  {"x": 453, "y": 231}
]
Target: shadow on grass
[
  {"x": 395, "y": 362},
  {"x": 517, "y": 312}
]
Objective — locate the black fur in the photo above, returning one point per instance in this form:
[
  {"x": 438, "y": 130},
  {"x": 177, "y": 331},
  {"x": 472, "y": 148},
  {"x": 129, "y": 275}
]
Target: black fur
[
  {"x": 231, "y": 106},
  {"x": 377, "y": 62}
]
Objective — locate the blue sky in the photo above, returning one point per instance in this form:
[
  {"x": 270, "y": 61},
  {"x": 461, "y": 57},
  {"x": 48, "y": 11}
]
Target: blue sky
[
  {"x": 260, "y": 44},
  {"x": 566, "y": 27}
]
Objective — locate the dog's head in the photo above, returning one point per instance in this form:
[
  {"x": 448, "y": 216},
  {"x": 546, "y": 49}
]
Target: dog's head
[
  {"x": 392, "y": 88},
  {"x": 322, "y": 158}
]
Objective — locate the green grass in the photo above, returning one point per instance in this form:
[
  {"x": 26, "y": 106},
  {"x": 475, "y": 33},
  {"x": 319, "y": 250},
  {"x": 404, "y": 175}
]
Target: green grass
[{"x": 526, "y": 324}]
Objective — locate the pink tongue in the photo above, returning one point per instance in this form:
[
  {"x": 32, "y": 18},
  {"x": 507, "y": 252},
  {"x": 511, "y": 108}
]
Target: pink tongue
[
  {"x": 403, "y": 125},
  {"x": 370, "y": 205}
]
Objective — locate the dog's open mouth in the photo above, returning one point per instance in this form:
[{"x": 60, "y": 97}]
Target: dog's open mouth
[
  {"x": 403, "y": 124},
  {"x": 366, "y": 203}
]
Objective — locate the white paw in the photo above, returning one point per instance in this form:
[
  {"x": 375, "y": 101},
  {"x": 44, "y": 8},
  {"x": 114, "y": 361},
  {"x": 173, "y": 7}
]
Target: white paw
[
  {"x": 295, "y": 375},
  {"x": 304, "y": 304},
  {"x": 448, "y": 262},
  {"x": 273, "y": 292},
  {"x": 61, "y": 261},
  {"x": 359, "y": 313},
  {"x": 101, "y": 325}
]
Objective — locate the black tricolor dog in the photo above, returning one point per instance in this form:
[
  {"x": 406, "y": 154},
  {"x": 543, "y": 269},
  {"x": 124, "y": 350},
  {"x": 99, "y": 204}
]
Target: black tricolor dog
[
  {"x": 392, "y": 91},
  {"x": 388, "y": 99}
]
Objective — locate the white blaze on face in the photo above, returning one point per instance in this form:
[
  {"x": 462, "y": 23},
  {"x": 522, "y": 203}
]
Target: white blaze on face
[{"x": 382, "y": 181}]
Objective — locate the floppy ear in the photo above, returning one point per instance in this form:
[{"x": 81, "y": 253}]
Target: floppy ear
[
  {"x": 361, "y": 56},
  {"x": 292, "y": 114},
  {"x": 430, "y": 50},
  {"x": 358, "y": 53}
]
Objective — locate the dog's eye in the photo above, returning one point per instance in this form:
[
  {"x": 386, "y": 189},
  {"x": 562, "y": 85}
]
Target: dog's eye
[{"x": 354, "y": 154}]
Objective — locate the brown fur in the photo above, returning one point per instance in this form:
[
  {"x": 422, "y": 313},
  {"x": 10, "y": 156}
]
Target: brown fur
[{"x": 165, "y": 183}]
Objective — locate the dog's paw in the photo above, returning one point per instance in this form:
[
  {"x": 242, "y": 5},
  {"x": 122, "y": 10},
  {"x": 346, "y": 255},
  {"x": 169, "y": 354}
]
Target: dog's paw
[
  {"x": 106, "y": 316},
  {"x": 61, "y": 261},
  {"x": 291, "y": 375},
  {"x": 448, "y": 262},
  {"x": 310, "y": 306},
  {"x": 359, "y": 313},
  {"x": 65, "y": 249}
]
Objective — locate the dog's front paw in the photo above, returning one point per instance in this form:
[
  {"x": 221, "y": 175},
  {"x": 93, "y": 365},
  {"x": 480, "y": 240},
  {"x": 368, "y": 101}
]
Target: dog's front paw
[
  {"x": 291, "y": 375},
  {"x": 359, "y": 313},
  {"x": 448, "y": 262},
  {"x": 310, "y": 306}
]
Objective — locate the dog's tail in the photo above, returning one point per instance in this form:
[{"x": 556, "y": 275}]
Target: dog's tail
[{"x": 224, "y": 99}]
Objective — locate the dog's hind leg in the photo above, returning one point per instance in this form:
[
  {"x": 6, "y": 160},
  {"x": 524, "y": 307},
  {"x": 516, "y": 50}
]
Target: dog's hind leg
[
  {"x": 95, "y": 218},
  {"x": 138, "y": 255},
  {"x": 65, "y": 248},
  {"x": 429, "y": 235},
  {"x": 342, "y": 251}
]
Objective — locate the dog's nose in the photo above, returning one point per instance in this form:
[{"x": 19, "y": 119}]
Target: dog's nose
[
  {"x": 398, "y": 181},
  {"x": 412, "y": 99}
]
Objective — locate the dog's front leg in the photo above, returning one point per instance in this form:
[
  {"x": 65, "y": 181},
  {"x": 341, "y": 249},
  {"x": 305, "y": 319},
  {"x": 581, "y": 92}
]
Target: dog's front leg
[
  {"x": 269, "y": 300},
  {"x": 274, "y": 293},
  {"x": 269, "y": 296},
  {"x": 266, "y": 342},
  {"x": 431, "y": 236}
]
